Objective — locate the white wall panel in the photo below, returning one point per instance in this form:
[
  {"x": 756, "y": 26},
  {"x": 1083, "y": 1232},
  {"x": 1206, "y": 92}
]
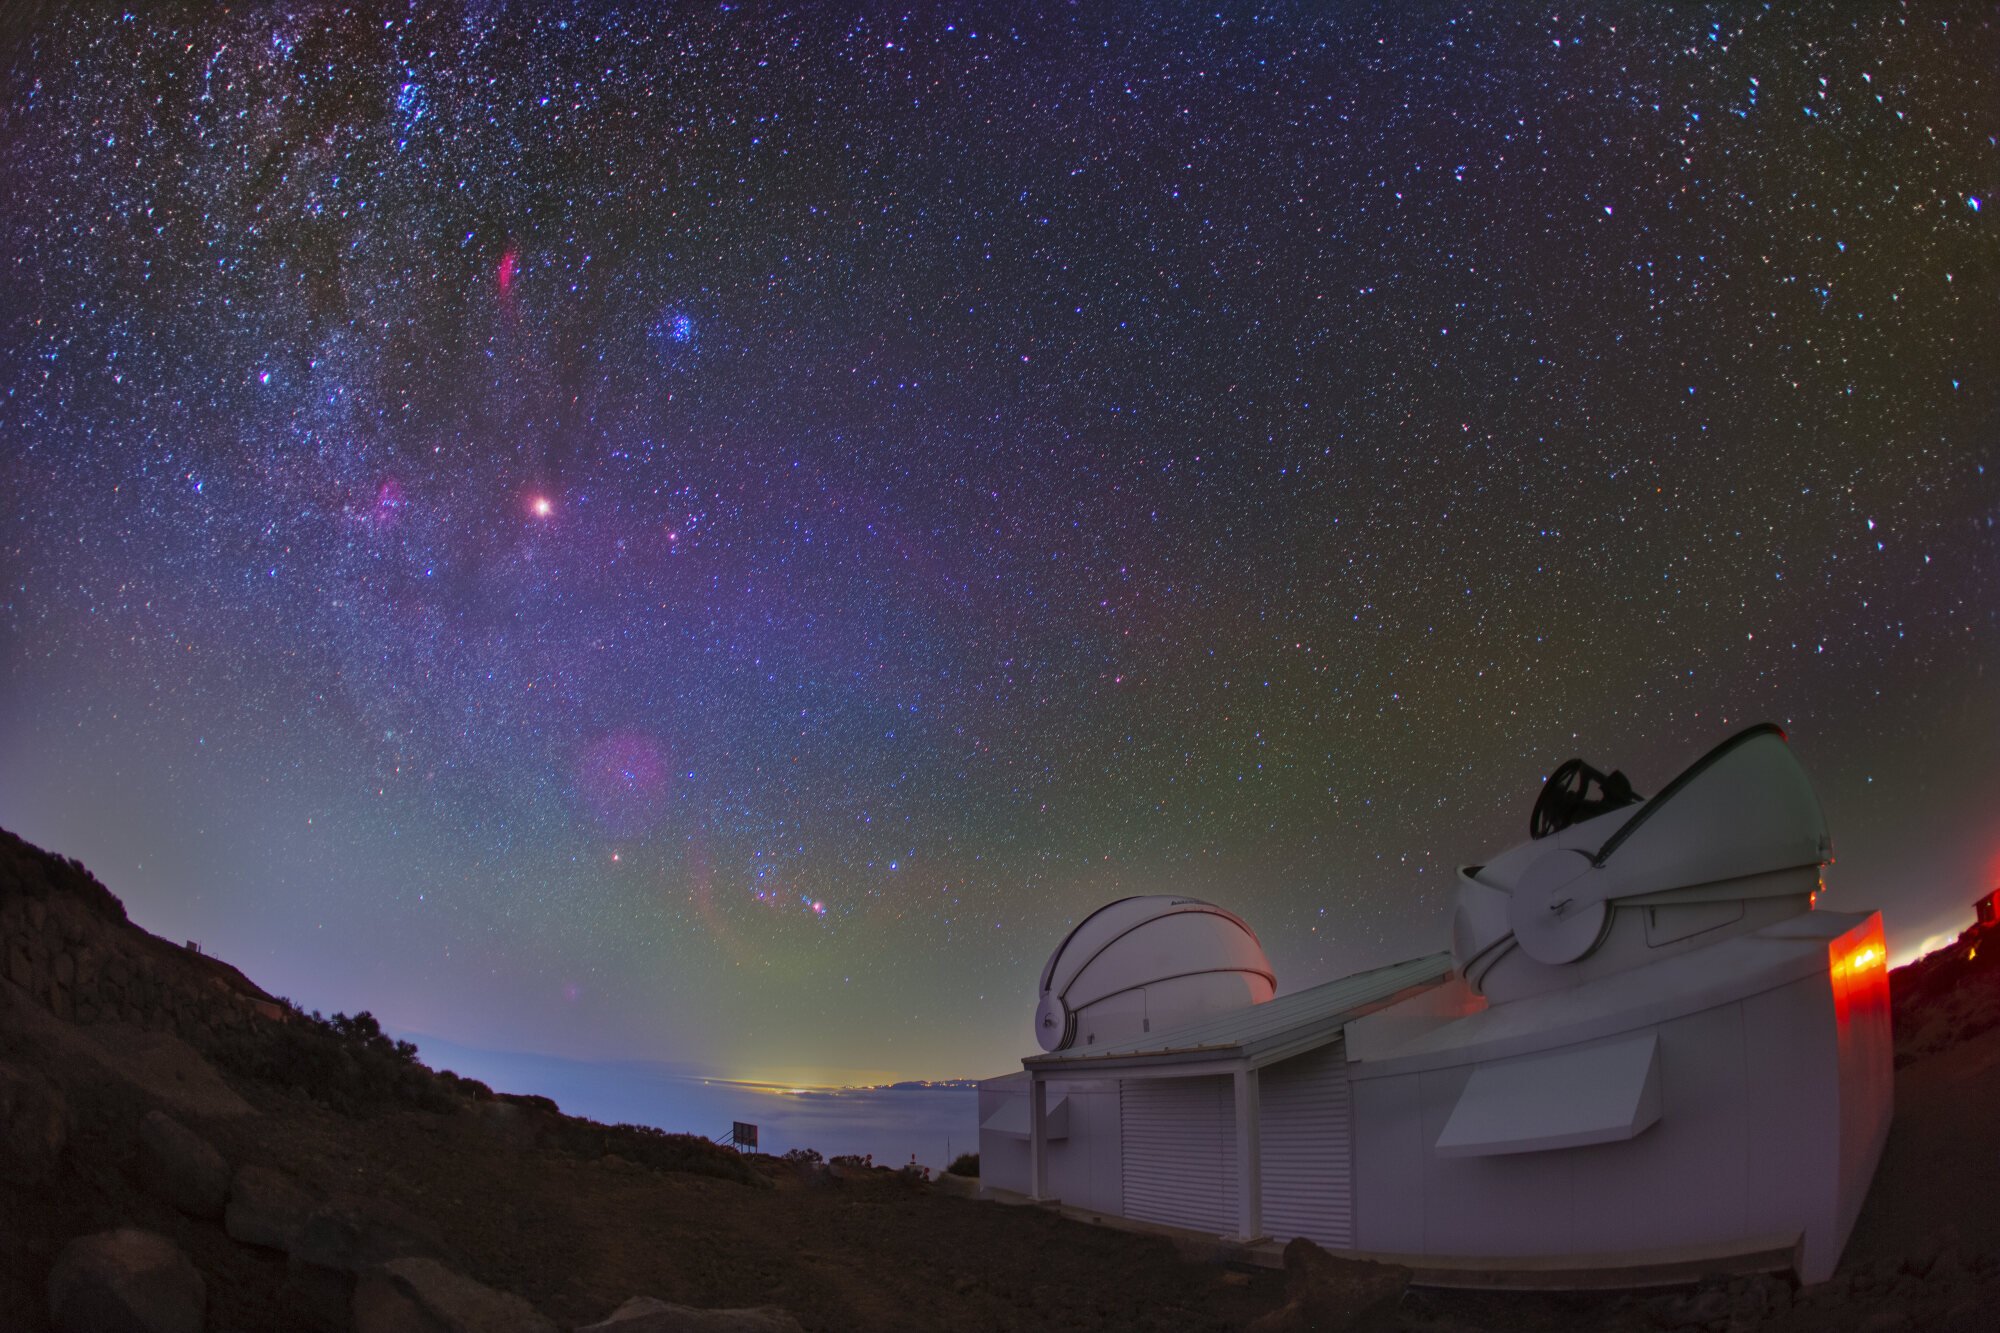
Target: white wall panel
[
  {"x": 1309, "y": 1148},
  {"x": 1179, "y": 1151}
]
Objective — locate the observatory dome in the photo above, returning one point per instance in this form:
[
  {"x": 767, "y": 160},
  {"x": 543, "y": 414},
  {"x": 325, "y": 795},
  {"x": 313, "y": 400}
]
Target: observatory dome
[
  {"x": 1610, "y": 879},
  {"x": 1146, "y": 964}
]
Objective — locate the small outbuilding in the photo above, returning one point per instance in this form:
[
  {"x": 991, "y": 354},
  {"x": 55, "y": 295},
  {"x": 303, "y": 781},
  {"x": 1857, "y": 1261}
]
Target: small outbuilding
[{"x": 1645, "y": 1052}]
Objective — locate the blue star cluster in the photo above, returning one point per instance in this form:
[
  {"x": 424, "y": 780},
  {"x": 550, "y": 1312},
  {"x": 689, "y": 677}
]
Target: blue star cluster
[{"x": 715, "y": 535}]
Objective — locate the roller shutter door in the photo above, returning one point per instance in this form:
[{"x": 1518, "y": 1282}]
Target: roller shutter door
[
  {"x": 1179, "y": 1151},
  {"x": 1308, "y": 1148}
]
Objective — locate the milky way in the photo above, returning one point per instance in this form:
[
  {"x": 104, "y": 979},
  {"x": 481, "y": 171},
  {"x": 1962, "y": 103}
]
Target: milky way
[{"x": 716, "y": 537}]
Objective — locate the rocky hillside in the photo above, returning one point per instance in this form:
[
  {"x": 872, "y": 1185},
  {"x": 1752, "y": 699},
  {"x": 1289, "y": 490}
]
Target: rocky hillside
[
  {"x": 1947, "y": 997},
  {"x": 181, "y": 1150}
]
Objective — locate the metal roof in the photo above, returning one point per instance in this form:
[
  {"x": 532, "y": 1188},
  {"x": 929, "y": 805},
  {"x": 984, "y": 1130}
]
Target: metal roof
[{"x": 1260, "y": 1033}]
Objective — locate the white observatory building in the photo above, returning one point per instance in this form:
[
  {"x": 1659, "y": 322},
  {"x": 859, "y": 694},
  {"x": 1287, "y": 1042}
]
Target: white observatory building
[{"x": 1646, "y": 1056}]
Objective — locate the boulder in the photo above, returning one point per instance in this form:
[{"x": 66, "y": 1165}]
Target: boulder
[
  {"x": 34, "y": 1125},
  {"x": 125, "y": 1281},
  {"x": 644, "y": 1314},
  {"x": 1328, "y": 1293},
  {"x": 418, "y": 1295},
  {"x": 267, "y": 1208},
  {"x": 353, "y": 1237},
  {"x": 180, "y": 1167}
]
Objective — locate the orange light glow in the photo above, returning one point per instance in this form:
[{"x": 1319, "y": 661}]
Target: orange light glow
[
  {"x": 542, "y": 506},
  {"x": 1859, "y": 967}
]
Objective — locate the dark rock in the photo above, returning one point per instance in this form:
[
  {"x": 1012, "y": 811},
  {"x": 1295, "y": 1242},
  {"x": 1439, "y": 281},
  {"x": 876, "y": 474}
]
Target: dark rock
[
  {"x": 644, "y": 1314},
  {"x": 1755, "y": 1299},
  {"x": 1707, "y": 1306},
  {"x": 180, "y": 1167},
  {"x": 416, "y": 1295},
  {"x": 125, "y": 1281},
  {"x": 358, "y": 1236},
  {"x": 267, "y": 1208},
  {"x": 1951, "y": 1263},
  {"x": 34, "y": 1125},
  {"x": 1919, "y": 1263},
  {"x": 1328, "y": 1293},
  {"x": 314, "y": 1297}
]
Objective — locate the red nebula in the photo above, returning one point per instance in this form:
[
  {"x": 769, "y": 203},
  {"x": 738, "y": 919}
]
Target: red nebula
[
  {"x": 388, "y": 502},
  {"x": 509, "y": 262}
]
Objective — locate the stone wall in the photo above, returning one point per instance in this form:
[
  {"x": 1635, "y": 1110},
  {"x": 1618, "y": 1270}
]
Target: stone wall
[{"x": 66, "y": 942}]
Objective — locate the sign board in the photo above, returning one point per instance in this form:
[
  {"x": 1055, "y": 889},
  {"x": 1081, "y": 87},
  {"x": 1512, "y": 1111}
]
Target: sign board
[{"x": 742, "y": 1135}]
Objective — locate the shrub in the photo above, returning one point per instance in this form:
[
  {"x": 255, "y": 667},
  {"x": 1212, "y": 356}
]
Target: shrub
[
  {"x": 465, "y": 1087},
  {"x": 965, "y": 1164},
  {"x": 853, "y": 1159},
  {"x": 345, "y": 1062},
  {"x": 804, "y": 1157},
  {"x": 649, "y": 1147}
]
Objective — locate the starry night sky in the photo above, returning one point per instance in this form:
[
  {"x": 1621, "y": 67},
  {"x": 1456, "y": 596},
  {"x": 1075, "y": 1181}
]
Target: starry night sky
[{"x": 715, "y": 537}]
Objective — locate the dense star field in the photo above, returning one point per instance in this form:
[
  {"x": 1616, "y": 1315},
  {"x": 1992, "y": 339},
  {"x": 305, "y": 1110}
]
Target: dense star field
[{"x": 716, "y": 536}]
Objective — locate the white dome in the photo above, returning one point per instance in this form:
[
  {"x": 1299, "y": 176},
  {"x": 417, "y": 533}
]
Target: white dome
[
  {"x": 1610, "y": 879},
  {"x": 1146, "y": 964}
]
